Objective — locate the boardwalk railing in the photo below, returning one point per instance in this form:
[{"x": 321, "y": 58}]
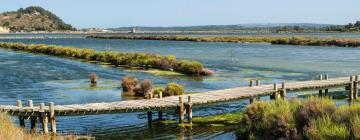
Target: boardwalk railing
[{"x": 276, "y": 91}]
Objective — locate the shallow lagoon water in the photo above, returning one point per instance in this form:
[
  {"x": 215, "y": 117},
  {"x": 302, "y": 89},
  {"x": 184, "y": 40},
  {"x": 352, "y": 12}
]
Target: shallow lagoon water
[{"x": 65, "y": 81}]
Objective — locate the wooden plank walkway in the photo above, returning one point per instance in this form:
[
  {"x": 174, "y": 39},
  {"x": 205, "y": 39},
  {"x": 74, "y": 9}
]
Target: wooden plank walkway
[{"x": 172, "y": 102}]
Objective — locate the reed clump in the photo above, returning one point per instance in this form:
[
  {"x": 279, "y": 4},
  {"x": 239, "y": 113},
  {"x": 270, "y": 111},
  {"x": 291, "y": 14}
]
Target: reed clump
[
  {"x": 313, "y": 118},
  {"x": 172, "y": 89},
  {"x": 125, "y": 59},
  {"x": 9, "y": 131},
  {"x": 305, "y": 41}
]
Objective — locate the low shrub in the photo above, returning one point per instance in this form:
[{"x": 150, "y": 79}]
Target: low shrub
[
  {"x": 129, "y": 83},
  {"x": 313, "y": 118},
  {"x": 173, "y": 89},
  {"x": 313, "y": 108},
  {"x": 157, "y": 90},
  {"x": 190, "y": 67},
  {"x": 272, "y": 120},
  {"x": 146, "y": 87},
  {"x": 93, "y": 78}
]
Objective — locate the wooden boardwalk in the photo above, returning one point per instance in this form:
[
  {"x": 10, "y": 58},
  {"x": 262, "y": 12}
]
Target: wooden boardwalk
[{"x": 173, "y": 102}]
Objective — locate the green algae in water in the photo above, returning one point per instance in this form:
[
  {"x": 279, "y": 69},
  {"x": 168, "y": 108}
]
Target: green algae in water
[
  {"x": 230, "y": 118},
  {"x": 215, "y": 79},
  {"x": 93, "y": 87},
  {"x": 163, "y": 73},
  {"x": 221, "y": 120}
]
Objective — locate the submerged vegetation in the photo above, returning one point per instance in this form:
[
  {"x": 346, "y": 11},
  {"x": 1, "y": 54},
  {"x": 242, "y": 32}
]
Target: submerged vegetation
[
  {"x": 125, "y": 59},
  {"x": 306, "y": 41}
]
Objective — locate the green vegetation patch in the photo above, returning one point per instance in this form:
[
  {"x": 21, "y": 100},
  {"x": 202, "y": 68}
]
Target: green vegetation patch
[
  {"x": 302, "y": 41},
  {"x": 129, "y": 60},
  {"x": 313, "y": 118},
  {"x": 163, "y": 72},
  {"x": 223, "y": 119}
]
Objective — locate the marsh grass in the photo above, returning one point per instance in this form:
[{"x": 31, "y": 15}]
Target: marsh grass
[
  {"x": 8, "y": 131},
  {"x": 312, "y": 118}
]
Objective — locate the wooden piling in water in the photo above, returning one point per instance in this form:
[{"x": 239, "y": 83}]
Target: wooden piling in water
[
  {"x": 257, "y": 98},
  {"x": 181, "y": 110},
  {"x": 21, "y": 118},
  {"x": 33, "y": 119},
  {"x": 251, "y": 99},
  {"x": 43, "y": 118},
  {"x": 351, "y": 88},
  {"x": 52, "y": 117},
  {"x": 320, "y": 91},
  {"x": 189, "y": 110},
  {"x": 149, "y": 116},
  {"x": 160, "y": 115},
  {"x": 326, "y": 90}
]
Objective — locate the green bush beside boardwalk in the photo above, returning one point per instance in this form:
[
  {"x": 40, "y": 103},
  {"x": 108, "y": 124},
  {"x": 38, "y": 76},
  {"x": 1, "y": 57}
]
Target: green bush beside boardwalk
[
  {"x": 306, "y": 41},
  {"x": 313, "y": 119},
  {"x": 138, "y": 60}
]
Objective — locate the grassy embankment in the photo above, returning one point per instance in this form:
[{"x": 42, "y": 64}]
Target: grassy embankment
[
  {"x": 124, "y": 59},
  {"x": 305, "y": 41},
  {"x": 313, "y": 118},
  {"x": 8, "y": 131}
]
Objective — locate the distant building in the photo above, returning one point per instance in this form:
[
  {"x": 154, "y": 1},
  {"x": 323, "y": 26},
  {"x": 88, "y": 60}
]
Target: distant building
[{"x": 133, "y": 30}]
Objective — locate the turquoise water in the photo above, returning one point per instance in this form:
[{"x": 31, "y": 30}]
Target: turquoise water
[{"x": 43, "y": 79}]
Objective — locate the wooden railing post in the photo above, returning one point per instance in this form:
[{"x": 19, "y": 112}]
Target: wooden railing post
[
  {"x": 21, "y": 118},
  {"x": 257, "y": 82},
  {"x": 320, "y": 91},
  {"x": 52, "y": 117},
  {"x": 150, "y": 95},
  {"x": 44, "y": 119},
  {"x": 160, "y": 95},
  {"x": 33, "y": 119},
  {"x": 189, "y": 109},
  {"x": 283, "y": 90},
  {"x": 181, "y": 110},
  {"x": 356, "y": 87},
  {"x": 326, "y": 90},
  {"x": 275, "y": 94},
  {"x": 351, "y": 88}
]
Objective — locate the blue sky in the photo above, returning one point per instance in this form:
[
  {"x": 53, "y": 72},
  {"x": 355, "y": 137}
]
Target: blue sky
[{"x": 118, "y": 13}]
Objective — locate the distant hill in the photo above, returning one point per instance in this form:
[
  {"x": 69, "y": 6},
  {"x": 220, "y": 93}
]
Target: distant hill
[{"x": 32, "y": 19}]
